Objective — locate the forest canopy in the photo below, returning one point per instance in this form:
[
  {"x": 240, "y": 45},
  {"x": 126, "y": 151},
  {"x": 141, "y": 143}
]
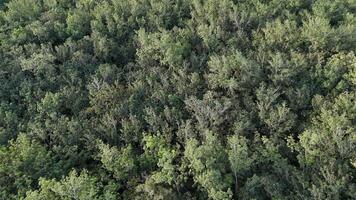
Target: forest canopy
[{"x": 177, "y": 99}]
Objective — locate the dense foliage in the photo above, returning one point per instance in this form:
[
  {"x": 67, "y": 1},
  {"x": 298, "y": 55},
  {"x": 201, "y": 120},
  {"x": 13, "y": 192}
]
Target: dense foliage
[{"x": 177, "y": 99}]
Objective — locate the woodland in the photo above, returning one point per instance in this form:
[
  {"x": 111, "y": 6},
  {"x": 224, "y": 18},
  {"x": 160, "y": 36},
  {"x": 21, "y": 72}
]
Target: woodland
[{"x": 177, "y": 99}]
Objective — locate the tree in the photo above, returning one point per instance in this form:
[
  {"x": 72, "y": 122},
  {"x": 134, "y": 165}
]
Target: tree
[
  {"x": 208, "y": 164},
  {"x": 328, "y": 148},
  {"x": 24, "y": 162},
  {"x": 74, "y": 186},
  {"x": 239, "y": 157}
]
